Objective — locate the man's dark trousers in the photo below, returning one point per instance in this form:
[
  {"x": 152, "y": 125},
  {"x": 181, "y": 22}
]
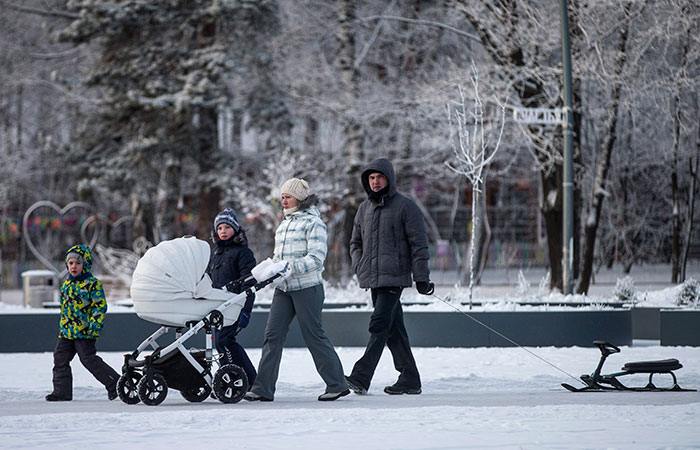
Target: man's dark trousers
[
  {"x": 85, "y": 348},
  {"x": 386, "y": 327}
]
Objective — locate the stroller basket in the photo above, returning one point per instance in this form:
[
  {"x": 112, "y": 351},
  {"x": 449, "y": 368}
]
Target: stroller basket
[{"x": 178, "y": 372}]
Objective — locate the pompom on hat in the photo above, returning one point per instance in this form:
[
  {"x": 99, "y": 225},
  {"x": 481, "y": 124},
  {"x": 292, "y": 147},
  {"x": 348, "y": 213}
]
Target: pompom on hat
[{"x": 297, "y": 188}]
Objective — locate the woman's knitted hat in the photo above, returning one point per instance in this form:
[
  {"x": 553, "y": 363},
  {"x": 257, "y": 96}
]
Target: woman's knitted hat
[{"x": 296, "y": 187}]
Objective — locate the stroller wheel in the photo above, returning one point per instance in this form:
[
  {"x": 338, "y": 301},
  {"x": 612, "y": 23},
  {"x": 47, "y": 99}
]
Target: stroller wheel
[
  {"x": 153, "y": 389},
  {"x": 230, "y": 383},
  {"x": 196, "y": 394},
  {"x": 127, "y": 388}
]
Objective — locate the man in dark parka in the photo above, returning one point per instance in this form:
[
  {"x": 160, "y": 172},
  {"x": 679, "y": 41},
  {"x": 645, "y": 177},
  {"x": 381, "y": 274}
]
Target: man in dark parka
[{"x": 388, "y": 245}]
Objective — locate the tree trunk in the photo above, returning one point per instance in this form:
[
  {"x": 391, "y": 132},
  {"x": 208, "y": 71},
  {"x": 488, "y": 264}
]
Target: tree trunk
[
  {"x": 6, "y": 144},
  {"x": 598, "y": 192},
  {"x": 476, "y": 253},
  {"x": 482, "y": 248},
  {"x": 207, "y": 208},
  {"x": 20, "y": 113},
  {"x": 456, "y": 202},
  {"x": 345, "y": 63},
  {"x": 675, "y": 212},
  {"x": 310, "y": 132},
  {"x": 627, "y": 254},
  {"x": 142, "y": 225},
  {"x": 203, "y": 133},
  {"x": 551, "y": 205},
  {"x": 474, "y": 241},
  {"x": 432, "y": 227},
  {"x": 676, "y": 219},
  {"x": 166, "y": 200},
  {"x": 693, "y": 163},
  {"x": 352, "y": 130},
  {"x": 578, "y": 44}
]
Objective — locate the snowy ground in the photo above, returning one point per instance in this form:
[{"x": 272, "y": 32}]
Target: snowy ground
[{"x": 472, "y": 398}]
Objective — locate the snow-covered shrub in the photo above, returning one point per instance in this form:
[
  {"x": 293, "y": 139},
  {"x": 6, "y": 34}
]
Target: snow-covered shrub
[
  {"x": 689, "y": 293},
  {"x": 544, "y": 284},
  {"x": 624, "y": 290},
  {"x": 523, "y": 284}
]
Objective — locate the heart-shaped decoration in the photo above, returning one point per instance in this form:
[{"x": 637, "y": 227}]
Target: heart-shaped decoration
[
  {"x": 48, "y": 236},
  {"x": 111, "y": 252},
  {"x": 113, "y": 233}
]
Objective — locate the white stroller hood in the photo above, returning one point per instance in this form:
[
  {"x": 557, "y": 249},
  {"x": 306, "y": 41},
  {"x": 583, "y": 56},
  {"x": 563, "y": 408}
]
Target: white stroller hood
[{"x": 170, "y": 285}]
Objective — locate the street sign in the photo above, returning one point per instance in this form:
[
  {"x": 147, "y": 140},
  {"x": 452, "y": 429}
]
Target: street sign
[{"x": 541, "y": 116}]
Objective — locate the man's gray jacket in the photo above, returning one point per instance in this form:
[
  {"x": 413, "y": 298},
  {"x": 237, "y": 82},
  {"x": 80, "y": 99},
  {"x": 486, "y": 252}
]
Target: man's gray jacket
[{"x": 388, "y": 241}]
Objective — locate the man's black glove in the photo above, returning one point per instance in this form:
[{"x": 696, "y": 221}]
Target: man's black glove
[{"x": 425, "y": 287}]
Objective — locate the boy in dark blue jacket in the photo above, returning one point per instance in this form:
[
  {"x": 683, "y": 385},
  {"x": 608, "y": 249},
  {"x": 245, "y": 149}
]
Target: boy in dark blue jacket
[{"x": 231, "y": 260}]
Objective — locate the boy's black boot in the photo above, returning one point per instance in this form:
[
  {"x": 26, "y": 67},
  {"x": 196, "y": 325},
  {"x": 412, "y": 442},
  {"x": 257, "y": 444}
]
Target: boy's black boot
[
  {"x": 111, "y": 387},
  {"x": 53, "y": 397}
]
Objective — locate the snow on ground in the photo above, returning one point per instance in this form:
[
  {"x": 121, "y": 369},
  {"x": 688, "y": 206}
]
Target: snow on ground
[{"x": 472, "y": 398}]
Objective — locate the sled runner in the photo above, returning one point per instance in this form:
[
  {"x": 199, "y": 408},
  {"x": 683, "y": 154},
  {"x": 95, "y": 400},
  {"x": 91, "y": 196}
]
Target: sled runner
[
  {"x": 596, "y": 382},
  {"x": 171, "y": 288}
]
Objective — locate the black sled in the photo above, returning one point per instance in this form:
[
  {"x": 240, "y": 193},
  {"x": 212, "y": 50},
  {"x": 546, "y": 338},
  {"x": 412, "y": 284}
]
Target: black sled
[{"x": 596, "y": 382}]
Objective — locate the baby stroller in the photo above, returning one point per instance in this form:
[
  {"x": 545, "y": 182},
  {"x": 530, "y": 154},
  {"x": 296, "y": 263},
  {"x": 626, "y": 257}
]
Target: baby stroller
[{"x": 170, "y": 287}]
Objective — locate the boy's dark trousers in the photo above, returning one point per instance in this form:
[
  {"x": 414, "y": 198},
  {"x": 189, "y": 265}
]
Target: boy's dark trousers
[
  {"x": 85, "y": 348},
  {"x": 386, "y": 327},
  {"x": 233, "y": 353}
]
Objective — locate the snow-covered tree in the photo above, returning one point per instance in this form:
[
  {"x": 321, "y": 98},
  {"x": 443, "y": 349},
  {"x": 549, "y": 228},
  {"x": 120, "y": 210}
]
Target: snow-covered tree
[
  {"x": 475, "y": 144},
  {"x": 161, "y": 76}
]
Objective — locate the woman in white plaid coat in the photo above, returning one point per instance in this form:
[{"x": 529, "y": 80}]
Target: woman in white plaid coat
[{"x": 301, "y": 241}]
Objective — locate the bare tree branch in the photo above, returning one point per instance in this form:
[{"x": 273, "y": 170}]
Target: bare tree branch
[
  {"x": 56, "y": 55},
  {"x": 60, "y": 88},
  {"x": 371, "y": 40},
  {"x": 423, "y": 22},
  {"x": 40, "y": 12}
]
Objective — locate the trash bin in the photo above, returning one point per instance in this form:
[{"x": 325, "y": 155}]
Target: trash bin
[{"x": 39, "y": 287}]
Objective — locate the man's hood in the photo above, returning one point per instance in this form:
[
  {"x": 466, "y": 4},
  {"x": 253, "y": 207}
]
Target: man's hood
[{"x": 383, "y": 166}]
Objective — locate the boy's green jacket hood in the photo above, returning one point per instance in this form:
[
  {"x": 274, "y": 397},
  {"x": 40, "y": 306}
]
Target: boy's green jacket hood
[{"x": 84, "y": 251}]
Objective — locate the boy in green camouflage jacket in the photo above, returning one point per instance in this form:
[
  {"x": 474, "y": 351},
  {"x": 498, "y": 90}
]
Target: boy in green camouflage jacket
[{"x": 83, "y": 307}]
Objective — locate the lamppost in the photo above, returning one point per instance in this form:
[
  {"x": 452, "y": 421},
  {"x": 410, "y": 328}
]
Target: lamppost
[{"x": 568, "y": 182}]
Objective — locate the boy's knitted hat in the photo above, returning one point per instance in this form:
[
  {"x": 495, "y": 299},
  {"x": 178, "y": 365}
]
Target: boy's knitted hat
[
  {"x": 296, "y": 187},
  {"x": 227, "y": 216}
]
